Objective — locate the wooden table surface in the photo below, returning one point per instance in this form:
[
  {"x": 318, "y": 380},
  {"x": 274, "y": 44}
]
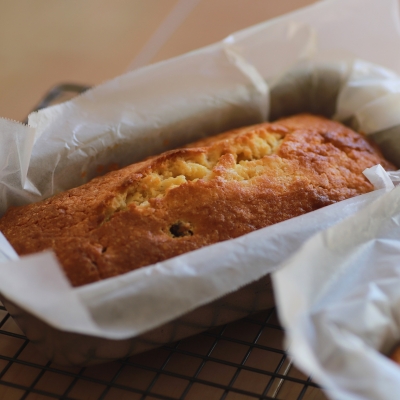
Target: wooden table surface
[{"x": 44, "y": 43}]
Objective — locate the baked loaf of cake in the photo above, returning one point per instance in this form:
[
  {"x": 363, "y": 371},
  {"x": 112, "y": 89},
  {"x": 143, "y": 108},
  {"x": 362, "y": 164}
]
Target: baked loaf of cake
[{"x": 213, "y": 190}]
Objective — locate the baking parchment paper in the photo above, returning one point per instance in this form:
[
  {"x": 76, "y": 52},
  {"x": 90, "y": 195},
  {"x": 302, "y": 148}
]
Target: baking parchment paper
[
  {"x": 344, "y": 305},
  {"x": 163, "y": 106}
]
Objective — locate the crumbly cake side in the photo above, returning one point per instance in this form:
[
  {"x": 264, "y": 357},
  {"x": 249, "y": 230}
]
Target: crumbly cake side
[{"x": 212, "y": 190}]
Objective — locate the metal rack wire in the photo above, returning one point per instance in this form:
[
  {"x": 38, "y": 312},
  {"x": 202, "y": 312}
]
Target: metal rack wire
[{"x": 238, "y": 361}]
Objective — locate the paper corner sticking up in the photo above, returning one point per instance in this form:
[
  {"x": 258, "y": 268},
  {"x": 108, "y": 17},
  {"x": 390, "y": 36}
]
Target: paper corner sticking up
[{"x": 379, "y": 177}]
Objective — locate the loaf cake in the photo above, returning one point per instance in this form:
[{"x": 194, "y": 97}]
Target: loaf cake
[{"x": 213, "y": 190}]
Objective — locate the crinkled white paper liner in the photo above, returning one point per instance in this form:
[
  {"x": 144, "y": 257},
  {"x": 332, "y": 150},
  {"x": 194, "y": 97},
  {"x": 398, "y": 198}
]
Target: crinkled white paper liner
[
  {"x": 344, "y": 303},
  {"x": 167, "y": 104}
]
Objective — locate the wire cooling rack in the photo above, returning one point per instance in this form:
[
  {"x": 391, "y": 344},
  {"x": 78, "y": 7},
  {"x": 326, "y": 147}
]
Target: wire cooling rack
[{"x": 239, "y": 361}]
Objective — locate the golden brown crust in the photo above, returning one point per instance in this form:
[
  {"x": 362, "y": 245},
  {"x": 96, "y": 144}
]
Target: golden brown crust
[
  {"x": 213, "y": 190},
  {"x": 395, "y": 354}
]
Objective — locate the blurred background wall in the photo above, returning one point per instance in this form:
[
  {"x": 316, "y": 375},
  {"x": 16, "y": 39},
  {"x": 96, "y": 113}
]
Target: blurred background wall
[{"x": 47, "y": 42}]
